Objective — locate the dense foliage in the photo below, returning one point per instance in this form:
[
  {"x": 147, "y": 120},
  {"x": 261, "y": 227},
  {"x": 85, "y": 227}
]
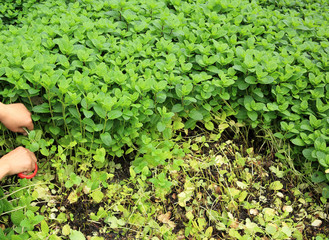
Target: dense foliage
[
  {"x": 107, "y": 78},
  {"x": 111, "y": 73}
]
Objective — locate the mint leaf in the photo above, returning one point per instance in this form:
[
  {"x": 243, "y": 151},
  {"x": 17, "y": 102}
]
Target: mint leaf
[
  {"x": 298, "y": 142},
  {"x": 196, "y": 115},
  {"x": 17, "y": 216},
  {"x": 114, "y": 114},
  {"x": 318, "y": 177},
  {"x": 161, "y": 126},
  {"x": 77, "y": 235},
  {"x": 106, "y": 138}
]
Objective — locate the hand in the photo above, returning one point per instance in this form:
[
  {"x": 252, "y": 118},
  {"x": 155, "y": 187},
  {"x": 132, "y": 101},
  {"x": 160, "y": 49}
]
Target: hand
[
  {"x": 19, "y": 160},
  {"x": 15, "y": 116}
]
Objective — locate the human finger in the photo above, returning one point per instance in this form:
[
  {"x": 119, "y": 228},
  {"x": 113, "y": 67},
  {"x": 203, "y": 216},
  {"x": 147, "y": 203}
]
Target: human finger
[
  {"x": 32, "y": 166},
  {"x": 19, "y": 130},
  {"x": 34, "y": 158},
  {"x": 30, "y": 126}
]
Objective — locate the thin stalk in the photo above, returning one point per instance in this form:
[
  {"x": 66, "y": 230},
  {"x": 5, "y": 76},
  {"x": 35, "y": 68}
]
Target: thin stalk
[
  {"x": 14, "y": 210},
  {"x": 67, "y": 131},
  {"x": 50, "y": 109},
  {"x": 80, "y": 120},
  {"x": 105, "y": 121},
  {"x": 20, "y": 190}
]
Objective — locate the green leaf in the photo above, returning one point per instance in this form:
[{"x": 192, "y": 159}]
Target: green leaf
[
  {"x": 77, "y": 235},
  {"x": 297, "y": 141},
  {"x": 209, "y": 126},
  {"x": 34, "y": 146},
  {"x": 97, "y": 196},
  {"x": 66, "y": 230},
  {"x": 74, "y": 112},
  {"x": 242, "y": 85},
  {"x": 275, "y": 186},
  {"x": 161, "y": 126},
  {"x": 2, "y": 235},
  {"x": 178, "y": 90},
  {"x": 114, "y": 114},
  {"x": 177, "y": 108},
  {"x": 54, "y": 130},
  {"x": 318, "y": 177},
  {"x": 106, "y": 138},
  {"x": 186, "y": 67},
  {"x": 249, "y": 61},
  {"x": 100, "y": 111},
  {"x": 17, "y": 217},
  {"x": 28, "y": 63},
  {"x": 43, "y": 108},
  {"x": 76, "y": 179},
  {"x": 320, "y": 144},
  {"x": 252, "y": 115},
  {"x": 44, "y": 227},
  {"x": 69, "y": 184},
  {"x": 307, "y": 152},
  {"x": 267, "y": 80},
  {"x": 87, "y": 113},
  {"x": 100, "y": 155},
  {"x": 325, "y": 192},
  {"x": 161, "y": 97},
  {"x": 167, "y": 133},
  {"x": 271, "y": 229},
  {"x": 196, "y": 115},
  {"x": 286, "y": 230},
  {"x": 190, "y": 124},
  {"x": 37, "y": 219},
  {"x": 278, "y": 135}
]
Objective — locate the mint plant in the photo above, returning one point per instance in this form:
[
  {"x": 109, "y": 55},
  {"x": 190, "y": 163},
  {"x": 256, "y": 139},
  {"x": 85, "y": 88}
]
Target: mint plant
[
  {"x": 229, "y": 63},
  {"x": 105, "y": 80}
]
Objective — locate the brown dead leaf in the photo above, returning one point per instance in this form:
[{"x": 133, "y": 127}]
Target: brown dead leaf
[
  {"x": 165, "y": 218},
  {"x": 234, "y": 224},
  {"x": 253, "y": 212},
  {"x": 174, "y": 196},
  {"x": 2, "y": 226},
  {"x": 300, "y": 227},
  {"x": 218, "y": 189}
]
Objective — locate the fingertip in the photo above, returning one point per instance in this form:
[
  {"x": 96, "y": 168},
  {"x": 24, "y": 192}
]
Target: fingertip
[
  {"x": 30, "y": 126},
  {"x": 34, "y": 157}
]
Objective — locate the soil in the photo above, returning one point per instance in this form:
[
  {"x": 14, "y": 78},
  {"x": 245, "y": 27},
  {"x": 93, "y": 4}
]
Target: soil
[{"x": 81, "y": 210}]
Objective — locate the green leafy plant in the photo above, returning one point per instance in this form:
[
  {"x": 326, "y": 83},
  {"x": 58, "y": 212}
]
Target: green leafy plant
[{"x": 128, "y": 80}]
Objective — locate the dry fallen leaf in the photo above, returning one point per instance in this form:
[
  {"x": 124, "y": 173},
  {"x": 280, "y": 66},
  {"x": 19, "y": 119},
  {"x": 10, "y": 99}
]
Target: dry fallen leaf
[
  {"x": 287, "y": 209},
  {"x": 234, "y": 224},
  {"x": 218, "y": 189},
  {"x": 253, "y": 212},
  {"x": 280, "y": 195},
  {"x": 86, "y": 189},
  {"x": 73, "y": 197},
  {"x": 164, "y": 218},
  {"x": 316, "y": 223},
  {"x": 300, "y": 227}
]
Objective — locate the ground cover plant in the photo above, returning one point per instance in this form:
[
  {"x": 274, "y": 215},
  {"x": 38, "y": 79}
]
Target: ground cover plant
[{"x": 113, "y": 82}]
